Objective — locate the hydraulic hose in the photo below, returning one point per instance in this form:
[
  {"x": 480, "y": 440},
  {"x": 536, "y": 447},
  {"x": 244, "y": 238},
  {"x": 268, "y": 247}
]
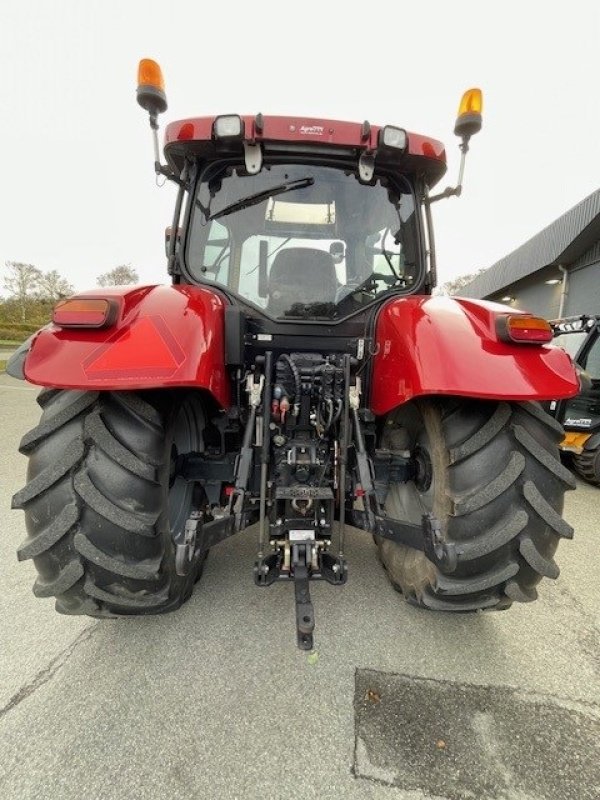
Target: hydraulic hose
[{"x": 295, "y": 372}]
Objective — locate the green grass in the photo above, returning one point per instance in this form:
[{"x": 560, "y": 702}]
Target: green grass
[
  {"x": 9, "y": 343},
  {"x": 2, "y": 366}
]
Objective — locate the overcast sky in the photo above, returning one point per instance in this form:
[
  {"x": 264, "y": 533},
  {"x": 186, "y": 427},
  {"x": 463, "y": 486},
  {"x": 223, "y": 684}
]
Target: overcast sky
[{"x": 78, "y": 191}]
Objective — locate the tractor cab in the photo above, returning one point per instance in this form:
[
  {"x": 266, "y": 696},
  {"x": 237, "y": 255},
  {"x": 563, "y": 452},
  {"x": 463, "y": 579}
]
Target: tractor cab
[
  {"x": 297, "y": 229},
  {"x": 302, "y": 241},
  {"x": 302, "y": 218}
]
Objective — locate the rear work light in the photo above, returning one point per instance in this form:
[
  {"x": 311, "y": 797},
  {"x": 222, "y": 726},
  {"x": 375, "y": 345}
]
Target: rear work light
[
  {"x": 524, "y": 329},
  {"x": 394, "y": 138},
  {"x": 81, "y": 312},
  {"x": 229, "y": 126}
]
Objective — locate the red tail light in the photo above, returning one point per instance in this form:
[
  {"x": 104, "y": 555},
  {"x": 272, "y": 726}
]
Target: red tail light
[
  {"x": 524, "y": 329},
  {"x": 81, "y": 312}
]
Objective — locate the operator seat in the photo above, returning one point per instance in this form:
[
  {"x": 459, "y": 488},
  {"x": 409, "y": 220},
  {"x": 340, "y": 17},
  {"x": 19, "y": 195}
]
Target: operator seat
[{"x": 300, "y": 275}]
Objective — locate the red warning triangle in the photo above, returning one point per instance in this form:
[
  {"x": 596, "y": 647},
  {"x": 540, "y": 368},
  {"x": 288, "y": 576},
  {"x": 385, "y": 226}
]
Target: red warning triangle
[{"x": 145, "y": 346}]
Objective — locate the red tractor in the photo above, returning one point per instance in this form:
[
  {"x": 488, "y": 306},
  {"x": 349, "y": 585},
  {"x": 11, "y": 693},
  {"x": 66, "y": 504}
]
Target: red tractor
[{"x": 298, "y": 375}]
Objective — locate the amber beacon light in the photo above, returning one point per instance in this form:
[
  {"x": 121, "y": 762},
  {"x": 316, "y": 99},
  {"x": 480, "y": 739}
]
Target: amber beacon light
[
  {"x": 151, "y": 87},
  {"x": 469, "y": 117}
]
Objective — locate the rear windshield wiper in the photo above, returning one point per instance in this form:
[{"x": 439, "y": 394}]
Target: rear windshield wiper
[{"x": 259, "y": 197}]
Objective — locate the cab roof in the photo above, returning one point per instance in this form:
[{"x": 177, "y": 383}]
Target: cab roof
[{"x": 305, "y": 138}]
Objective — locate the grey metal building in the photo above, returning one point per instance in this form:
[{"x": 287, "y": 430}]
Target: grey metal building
[{"x": 556, "y": 273}]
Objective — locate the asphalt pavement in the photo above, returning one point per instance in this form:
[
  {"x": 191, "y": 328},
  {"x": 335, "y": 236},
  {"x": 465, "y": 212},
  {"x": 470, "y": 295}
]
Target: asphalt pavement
[{"x": 215, "y": 700}]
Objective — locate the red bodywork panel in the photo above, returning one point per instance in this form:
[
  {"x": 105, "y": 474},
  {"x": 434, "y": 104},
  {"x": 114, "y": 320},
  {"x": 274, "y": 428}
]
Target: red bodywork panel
[
  {"x": 303, "y": 129},
  {"x": 164, "y": 336},
  {"x": 449, "y": 346},
  {"x": 422, "y": 155},
  {"x": 170, "y": 336}
]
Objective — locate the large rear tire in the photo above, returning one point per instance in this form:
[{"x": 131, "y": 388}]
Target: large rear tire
[
  {"x": 491, "y": 474},
  {"x": 103, "y": 501}
]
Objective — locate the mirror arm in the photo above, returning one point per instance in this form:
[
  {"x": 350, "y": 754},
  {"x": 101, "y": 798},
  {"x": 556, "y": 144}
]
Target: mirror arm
[
  {"x": 454, "y": 191},
  {"x": 160, "y": 169},
  {"x": 167, "y": 172},
  {"x": 154, "y": 127}
]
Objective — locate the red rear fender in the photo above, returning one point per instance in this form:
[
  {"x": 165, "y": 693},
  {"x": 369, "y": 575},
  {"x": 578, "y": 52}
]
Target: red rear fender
[
  {"x": 449, "y": 346},
  {"x": 164, "y": 336}
]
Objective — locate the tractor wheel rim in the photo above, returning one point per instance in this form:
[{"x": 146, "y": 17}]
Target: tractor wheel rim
[{"x": 416, "y": 497}]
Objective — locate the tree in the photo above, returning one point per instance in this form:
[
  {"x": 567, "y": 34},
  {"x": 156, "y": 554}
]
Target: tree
[
  {"x": 52, "y": 286},
  {"x": 453, "y": 286},
  {"x": 118, "y": 276},
  {"x": 22, "y": 281}
]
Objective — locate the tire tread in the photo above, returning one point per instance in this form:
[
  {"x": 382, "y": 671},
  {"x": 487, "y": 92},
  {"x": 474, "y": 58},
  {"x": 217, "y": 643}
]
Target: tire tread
[
  {"x": 505, "y": 526},
  {"x": 482, "y": 496},
  {"x": 140, "y": 522},
  {"x": 105, "y": 552},
  {"x": 49, "y": 536},
  {"x": 71, "y": 456},
  {"x": 65, "y": 579},
  {"x": 97, "y": 433},
  {"x": 142, "y": 570},
  {"x": 53, "y": 423}
]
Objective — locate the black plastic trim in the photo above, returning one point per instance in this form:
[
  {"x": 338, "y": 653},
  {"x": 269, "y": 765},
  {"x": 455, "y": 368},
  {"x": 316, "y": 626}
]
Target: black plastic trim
[{"x": 15, "y": 366}]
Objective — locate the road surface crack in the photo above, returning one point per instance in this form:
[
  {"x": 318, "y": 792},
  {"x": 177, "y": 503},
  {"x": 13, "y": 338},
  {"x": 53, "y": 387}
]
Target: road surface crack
[{"x": 48, "y": 672}]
